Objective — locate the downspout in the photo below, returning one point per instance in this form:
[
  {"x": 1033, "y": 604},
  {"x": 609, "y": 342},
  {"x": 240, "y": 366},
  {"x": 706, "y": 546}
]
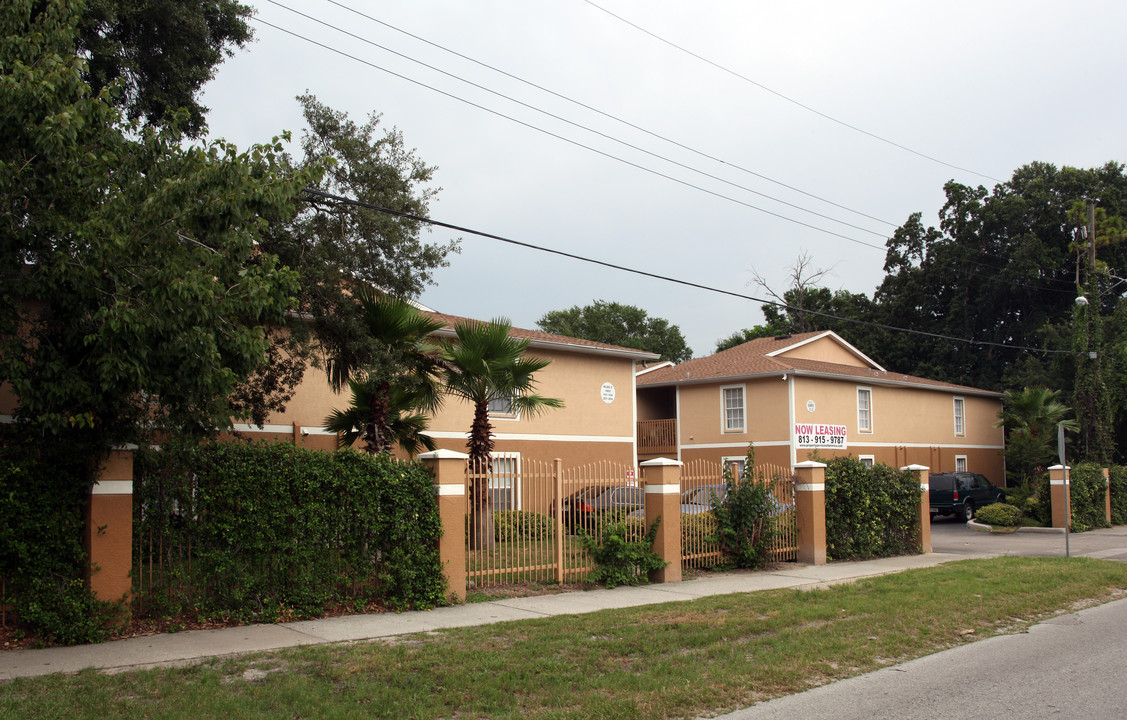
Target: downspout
[{"x": 790, "y": 420}]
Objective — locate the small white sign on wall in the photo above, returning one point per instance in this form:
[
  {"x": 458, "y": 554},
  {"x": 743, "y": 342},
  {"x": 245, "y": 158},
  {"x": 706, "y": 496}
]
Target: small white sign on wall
[
  {"x": 811, "y": 436},
  {"x": 607, "y": 393}
]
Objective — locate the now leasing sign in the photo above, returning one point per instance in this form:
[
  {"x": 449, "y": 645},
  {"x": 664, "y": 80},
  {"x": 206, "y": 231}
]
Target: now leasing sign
[{"x": 812, "y": 436}]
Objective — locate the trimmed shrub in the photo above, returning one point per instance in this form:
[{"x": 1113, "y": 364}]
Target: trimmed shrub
[
  {"x": 870, "y": 512},
  {"x": 1087, "y": 497},
  {"x": 999, "y": 515},
  {"x": 42, "y": 560},
  {"x": 277, "y": 531},
  {"x": 1118, "y": 495}
]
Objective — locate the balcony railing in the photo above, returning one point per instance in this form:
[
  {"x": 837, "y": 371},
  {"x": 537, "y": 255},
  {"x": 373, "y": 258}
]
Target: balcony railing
[{"x": 657, "y": 436}]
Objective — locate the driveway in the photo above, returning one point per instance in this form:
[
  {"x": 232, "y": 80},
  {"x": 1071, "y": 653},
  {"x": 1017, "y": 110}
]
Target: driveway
[{"x": 951, "y": 536}]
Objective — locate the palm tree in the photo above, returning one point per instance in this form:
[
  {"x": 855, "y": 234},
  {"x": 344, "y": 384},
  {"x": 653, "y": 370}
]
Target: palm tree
[
  {"x": 397, "y": 353},
  {"x": 405, "y": 426},
  {"x": 483, "y": 363},
  {"x": 1031, "y": 416}
]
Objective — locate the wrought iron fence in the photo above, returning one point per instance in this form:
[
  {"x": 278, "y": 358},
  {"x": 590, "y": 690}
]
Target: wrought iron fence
[
  {"x": 701, "y": 482},
  {"x": 526, "y": 518}
]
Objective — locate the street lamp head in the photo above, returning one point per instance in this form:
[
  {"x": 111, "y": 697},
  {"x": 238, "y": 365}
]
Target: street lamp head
[{"x": 1082, "y": 301}]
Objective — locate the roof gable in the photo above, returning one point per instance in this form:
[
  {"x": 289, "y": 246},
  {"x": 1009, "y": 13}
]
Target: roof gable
[{"x": 827, "y": 347}]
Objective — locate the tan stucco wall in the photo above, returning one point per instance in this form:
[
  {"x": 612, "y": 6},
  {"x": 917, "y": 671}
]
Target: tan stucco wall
[
  {"x": 909, "y": 425},
  {"x": 702, "y": 412},
  {"x": 576, "y": 432},
  {"x": 826, "y": 350}
]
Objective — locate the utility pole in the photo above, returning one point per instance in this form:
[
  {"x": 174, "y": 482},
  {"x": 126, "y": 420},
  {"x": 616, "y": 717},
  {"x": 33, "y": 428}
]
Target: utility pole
[{"x": 1091, "y": 241}]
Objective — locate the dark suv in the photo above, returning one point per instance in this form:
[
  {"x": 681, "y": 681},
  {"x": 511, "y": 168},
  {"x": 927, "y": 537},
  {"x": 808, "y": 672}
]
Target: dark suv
[{"x": 961, "y": 493}]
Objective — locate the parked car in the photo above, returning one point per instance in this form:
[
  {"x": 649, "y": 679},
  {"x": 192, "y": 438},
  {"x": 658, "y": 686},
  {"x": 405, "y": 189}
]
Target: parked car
[
  {"x": 585, "y": 508},
  {"x": 961, "y": 494}
]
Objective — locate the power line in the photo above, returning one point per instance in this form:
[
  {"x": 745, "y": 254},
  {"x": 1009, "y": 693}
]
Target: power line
[
  {"x": 990, "y": 278},
  {"x": 569, "y": 140},
  {"x": 791, "y": 100},
  {"x": 610, "y": 116},
  {"x": 578, "y": 125},
  {"x": 665, "y": 278}
]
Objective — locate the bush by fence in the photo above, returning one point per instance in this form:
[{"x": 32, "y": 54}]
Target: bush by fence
[
  {"x": 1118, "y": 495},
  {"x": 1087, "y": 497},
  {"x": 259, "y": 531},
  {"x": 42, "y": 561},
  {"x": 870, "y": 511}
]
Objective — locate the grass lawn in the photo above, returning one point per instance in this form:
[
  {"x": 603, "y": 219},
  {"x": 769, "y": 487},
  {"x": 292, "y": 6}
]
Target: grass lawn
[{"x": 665, "y": 661}]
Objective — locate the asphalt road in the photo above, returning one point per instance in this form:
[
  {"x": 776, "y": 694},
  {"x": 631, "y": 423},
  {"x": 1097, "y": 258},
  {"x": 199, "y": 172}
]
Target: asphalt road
[{"x": 1072, "y": 666}]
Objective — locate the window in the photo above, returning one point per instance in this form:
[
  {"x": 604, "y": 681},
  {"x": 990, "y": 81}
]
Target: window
[
  {"x": 865, "y": 409},
  {"x": 502, "y": 408},
  {"x": 867, "y": 460},
  {"x": 504, "y": 481},
  {"x": 960, "y": 418},
  {"x": 960, "y": 463},
  {"x": 733, "y": 408},
  {"x": 735, "y": 464}
]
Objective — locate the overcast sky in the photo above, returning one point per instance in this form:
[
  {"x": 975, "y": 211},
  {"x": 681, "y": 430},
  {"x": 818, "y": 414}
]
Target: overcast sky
[{"x": 979, "y": 87}]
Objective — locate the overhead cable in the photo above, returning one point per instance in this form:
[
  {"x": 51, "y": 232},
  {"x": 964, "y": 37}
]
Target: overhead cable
[{"x": 665, "y": 278}]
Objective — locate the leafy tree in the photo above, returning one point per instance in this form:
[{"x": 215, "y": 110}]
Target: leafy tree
[
  {"x": 1000, "y": 268},
  {"x": 133, "y": 290},
  {"x": 337, "y": 247},
  {"x": 1030, "y": 417},
  {"x": 617, "y": 324},
  {"x": 399, "y": 375},
  {"x": 157, "y": 55},
  {"x": 481, "y": 364}
]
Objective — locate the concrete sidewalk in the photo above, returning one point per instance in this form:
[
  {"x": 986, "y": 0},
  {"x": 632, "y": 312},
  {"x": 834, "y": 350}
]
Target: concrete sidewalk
[{"x": 187, "y": 647}]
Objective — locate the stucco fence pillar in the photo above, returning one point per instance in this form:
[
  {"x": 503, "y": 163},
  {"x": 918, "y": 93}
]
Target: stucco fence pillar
[
  {"x": 922, "y": 475},
  {"x": 1059, "y": 492},
  {"x": 662, "y": 479},
  {"x": 108, "y": 534},
  {"x": 810, "y": 504},
  {"x": 449, "y": 470}
]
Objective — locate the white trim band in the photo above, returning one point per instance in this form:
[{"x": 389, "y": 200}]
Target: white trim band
[
  {"x": 810, "y": 487},
  {"x": 925, "y": 487},
  {"x": 1059, "y": 482},
  {"x": 112, "y": 487},
  {"x": 663, "y": 489},
  {"x": 451, "y": 490}
]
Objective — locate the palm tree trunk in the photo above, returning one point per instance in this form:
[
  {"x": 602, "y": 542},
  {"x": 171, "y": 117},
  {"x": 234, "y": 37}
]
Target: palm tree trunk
[
  {"x": 481, "y": 461},
  {"x": 377, "y": 432}
]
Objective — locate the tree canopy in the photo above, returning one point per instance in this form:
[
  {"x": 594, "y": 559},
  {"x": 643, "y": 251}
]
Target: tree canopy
[
  {"x": 158, "y": 54},
  {"x": 132, "y": 286},
  {"x": 617, "y": 324}
]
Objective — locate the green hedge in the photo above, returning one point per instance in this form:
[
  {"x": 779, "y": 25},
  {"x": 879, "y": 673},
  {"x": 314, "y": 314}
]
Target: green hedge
[
  {"x": 999, "y": 515},
  {"x": 1087, "y": 497},
  {"x": 264, "y": 531},
  {"x": 870, "y": 512},
  {"x": 1118, "y": 495},
  {"x": 42, "y": 560},
  {"x": 513, "y": 525}
]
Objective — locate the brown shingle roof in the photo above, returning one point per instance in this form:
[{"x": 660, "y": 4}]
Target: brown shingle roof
[
  {"x": 751, "y": 359},
  {"x": 542, "y": 339}
]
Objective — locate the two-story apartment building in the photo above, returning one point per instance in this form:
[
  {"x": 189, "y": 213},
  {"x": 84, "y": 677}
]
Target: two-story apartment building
[{"x": 814, "y": 393}]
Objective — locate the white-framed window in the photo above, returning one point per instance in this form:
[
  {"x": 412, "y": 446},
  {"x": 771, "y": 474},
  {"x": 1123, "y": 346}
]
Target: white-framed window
[
  {"x": 734, "y": 412},
  {"x": 504, "y": 481},
  {"x": 867, "y": 460},
  {"x": 502, "y": 408},
  {"x": 864, "y": 409},
  {"x": 960, "y": 417},
  {"x": 735, "y": 463},
  {"x": 960, "y": 463}
]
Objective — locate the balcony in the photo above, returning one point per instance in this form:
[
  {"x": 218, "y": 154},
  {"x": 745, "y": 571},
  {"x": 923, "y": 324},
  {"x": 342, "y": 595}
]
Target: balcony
[{"x": 657, "y": 437}]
